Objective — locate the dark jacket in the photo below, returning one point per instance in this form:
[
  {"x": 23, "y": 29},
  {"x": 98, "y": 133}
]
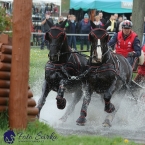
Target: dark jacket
[
  {"x": 72, "y": 28},
  {"x": 84, "y": 28},
  {"x": 45, "y": 26},
  {"x": 109, "y": 24}
]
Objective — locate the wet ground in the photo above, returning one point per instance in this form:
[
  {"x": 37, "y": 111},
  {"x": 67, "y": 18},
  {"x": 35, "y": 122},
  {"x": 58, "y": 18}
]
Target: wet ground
[{"x": 129, "y": 121}]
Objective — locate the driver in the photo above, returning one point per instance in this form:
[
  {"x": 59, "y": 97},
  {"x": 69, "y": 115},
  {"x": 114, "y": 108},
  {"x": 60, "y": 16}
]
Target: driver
[{"x": 126, "y": 43}]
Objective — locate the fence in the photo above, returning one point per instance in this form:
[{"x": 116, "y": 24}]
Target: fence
[{"x": 37, "y": 38}]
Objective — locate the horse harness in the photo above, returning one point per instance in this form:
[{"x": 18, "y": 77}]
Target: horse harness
[{"x": 65, "y": 67}]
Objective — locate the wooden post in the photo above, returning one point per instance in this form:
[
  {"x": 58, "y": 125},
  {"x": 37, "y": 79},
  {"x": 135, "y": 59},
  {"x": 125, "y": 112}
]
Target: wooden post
[{"x": 20, "y": 64}]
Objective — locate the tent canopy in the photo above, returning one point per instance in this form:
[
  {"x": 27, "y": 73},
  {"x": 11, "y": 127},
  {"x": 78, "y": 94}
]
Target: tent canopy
[{"x": 109, "y": 6}]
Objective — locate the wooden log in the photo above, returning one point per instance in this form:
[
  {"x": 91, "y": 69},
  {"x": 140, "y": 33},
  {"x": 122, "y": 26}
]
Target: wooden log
[
  {"x": 4, "y": 101},
  {"x": 3, "y": 108},
  {"x": 6, "y": 49},
  {"x": 32, "y": 111},
  {"x": 6, "y": 58},
  {"x": 4, "y": 92},
  {"x": 5, "y": 66},
  {"x": 31, "y": 118},
  {"x": 31, "y": 102},
  {"x": 5, "y": 75},
  {"x": 30, "y": 94},
  {"x": 4, "y": 84},
  {"x": 4, "y": 38}
]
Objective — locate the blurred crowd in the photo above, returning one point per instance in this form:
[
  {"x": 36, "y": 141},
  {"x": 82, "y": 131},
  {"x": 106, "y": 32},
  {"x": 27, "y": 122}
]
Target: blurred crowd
[{"x": 112, "y": 25}]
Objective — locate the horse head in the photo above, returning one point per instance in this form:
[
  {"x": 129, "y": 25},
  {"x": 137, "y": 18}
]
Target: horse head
[
  {"x": 57, "y": 39},
  {"x": 98, "y": 38}
]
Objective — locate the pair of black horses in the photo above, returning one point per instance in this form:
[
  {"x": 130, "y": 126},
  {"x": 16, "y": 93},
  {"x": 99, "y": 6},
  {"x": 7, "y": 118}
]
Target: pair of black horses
[{"x": 67, "y": 71}]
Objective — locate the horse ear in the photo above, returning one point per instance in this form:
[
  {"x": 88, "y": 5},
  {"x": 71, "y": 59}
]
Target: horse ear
[
  {"x": 62, "y": 25},
  {"x": 47, "y": 36},
  {"x": 92, "y": 24},
  {"x": 49, "y": 23}
]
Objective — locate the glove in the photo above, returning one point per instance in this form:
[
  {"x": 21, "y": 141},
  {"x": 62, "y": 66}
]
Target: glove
[
  {"x": 61, "y": 102},
  {"x": 131, "y": 54},
  {"x": 109, "y": 28}
]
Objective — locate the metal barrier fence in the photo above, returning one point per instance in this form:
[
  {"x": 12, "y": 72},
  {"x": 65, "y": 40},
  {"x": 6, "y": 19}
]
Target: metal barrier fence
[{"x": 37, "y": 38}]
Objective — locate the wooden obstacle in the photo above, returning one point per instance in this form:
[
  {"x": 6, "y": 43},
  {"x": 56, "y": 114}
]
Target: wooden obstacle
[{"x": 5, "y": 73}]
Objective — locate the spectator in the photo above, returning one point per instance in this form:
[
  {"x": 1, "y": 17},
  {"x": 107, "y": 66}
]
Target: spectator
[
  {"x": 55, "y": 10},
  {"x": 60, "y": 19},
  {"x": 102, "y": 19},
  {"x": 113, "y": 25},
  {"x": 72, "y": 29},
  {"x": 127, "y": 42},
  {"x": 120, "y": 19},
  {"x": 47, "y": 8},
  {"x": 140, "y": 78},
  {"x": 45, "y": 28},
  {"x": 120, "y": 25},
  {"x": 116, "y": 17},
  {"x": 67, "y": 23},
  {"x": 85, "y": 28},
  {"x": 97, "y": 21}
]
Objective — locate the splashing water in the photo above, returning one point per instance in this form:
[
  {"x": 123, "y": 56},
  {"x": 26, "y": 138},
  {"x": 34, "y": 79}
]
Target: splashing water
[{"x": 128, "y": 122}]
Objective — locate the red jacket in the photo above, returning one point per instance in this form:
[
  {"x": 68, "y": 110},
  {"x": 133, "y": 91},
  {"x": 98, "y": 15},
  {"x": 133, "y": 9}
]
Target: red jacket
[
  {"x": 141, "y": 68},
  {"x": 125, "y": 46}
]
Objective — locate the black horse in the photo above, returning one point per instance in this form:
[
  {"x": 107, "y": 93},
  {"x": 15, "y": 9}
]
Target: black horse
[
  {"x": 62, "y": 69},
  {"x": 107, "y": 73}
]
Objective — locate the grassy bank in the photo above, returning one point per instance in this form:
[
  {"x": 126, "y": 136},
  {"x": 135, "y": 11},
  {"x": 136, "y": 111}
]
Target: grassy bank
[
  {"x": 41, "y": 134},
  {"x": 38, "y": 133}
]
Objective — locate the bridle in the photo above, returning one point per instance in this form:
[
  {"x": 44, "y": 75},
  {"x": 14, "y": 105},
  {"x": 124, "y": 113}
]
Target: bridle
[
  {"x": 56, "y": 37},
  {"x": 94, "y": 46}
]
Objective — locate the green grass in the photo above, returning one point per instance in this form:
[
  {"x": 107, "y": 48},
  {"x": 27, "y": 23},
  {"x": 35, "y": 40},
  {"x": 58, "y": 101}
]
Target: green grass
[
  {"x": 38, "y": 59},
  {"x": 39, "y": 134}
]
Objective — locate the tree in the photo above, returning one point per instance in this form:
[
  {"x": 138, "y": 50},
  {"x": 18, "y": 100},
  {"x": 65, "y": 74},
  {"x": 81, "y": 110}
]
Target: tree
[{"x": 138, "y": 14}]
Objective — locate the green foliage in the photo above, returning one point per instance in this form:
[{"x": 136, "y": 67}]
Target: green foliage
[
  {"x": 5, "y": 21},
  {"x": 4, "y": 120}
]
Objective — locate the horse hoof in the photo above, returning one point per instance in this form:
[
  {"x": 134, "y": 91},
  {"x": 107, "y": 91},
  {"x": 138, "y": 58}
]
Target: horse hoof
[
  {"x": 81, "y": 121},
  {"x": 109, "y": 108},
  {"x": 61, "y": 102},
  {"x": 106, "y": 123}
]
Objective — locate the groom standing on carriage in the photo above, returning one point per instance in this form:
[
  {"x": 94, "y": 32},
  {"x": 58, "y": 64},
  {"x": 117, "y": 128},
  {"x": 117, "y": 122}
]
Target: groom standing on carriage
[{"x": 127, "y": 43}]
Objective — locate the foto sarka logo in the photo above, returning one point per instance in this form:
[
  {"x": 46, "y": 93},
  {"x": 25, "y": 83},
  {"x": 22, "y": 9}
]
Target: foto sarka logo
[{"x": 9, "y": 137}]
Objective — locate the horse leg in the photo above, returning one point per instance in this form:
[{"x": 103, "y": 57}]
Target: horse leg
[
  {"x": 109, "y": 107},
  {"x": 41, "y": 101},
  {"x": 87, "y": 98},
  {"x": 61, "y": 102},
  {"x": 109, "y": 118},
  {"x": 71, "y": 107}
]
